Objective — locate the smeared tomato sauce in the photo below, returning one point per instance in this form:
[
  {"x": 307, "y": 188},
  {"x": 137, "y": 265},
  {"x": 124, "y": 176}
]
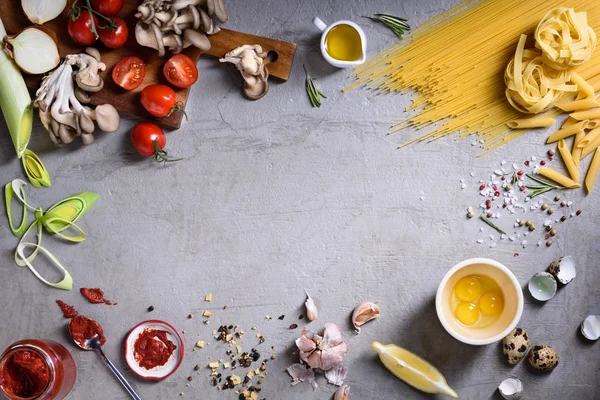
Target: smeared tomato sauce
[
  {"x": 83, "y": 328},
  {"x": 94, "y": 295},
  {"x": 25, "y": 374},
  {"x": 68, "y": 311},
  {"x": 152, "y": 348}
]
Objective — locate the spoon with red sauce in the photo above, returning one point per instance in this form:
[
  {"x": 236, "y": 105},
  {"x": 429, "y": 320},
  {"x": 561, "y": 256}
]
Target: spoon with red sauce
[{"x": 88, "y": 335}]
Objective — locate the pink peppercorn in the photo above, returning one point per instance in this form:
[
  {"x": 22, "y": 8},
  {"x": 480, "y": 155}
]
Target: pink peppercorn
[
  {"x": 489, "y": 215},
  {"x": 520, "y": 173},
  {"x": 516, "y": 255},
  {"x": 542, "y": 162},
  {"x": 482, "y": 187},
  {"x": 578, "y": 212},
  {"x": 527, "y": 163},
  {"x": 495, "y": 187}
]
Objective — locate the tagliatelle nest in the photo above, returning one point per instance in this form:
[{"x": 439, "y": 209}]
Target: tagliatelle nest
[
  {"x": 531, "y": 85},
  {"x": 565, "y": 39}
]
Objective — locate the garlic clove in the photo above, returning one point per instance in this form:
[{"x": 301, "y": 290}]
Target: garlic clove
[
  {"x": 336, "y": 375},
  {"x": 364, "y": 313},
  {"x": 311, "y": 308},
  {"x": 34, "y": 50},
  {"x": 40, "y": 11},
  {"x": 343, "y": 393}
]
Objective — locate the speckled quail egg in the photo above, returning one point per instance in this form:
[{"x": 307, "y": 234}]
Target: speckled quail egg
[
  {"x": 511, "y": 389},
  {"x": 543, "y": 357},
  {"x": 515, "y": 345},
  {"x": 563, "y": 269},
  {"x": 542, "y": 286}
]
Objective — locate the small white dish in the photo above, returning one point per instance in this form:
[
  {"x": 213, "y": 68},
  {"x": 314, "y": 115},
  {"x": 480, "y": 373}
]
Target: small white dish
[
  {"x": 513, "y": 302},
  {"x": 335, "y": 62},
  {"x": 163, "y": 371}
]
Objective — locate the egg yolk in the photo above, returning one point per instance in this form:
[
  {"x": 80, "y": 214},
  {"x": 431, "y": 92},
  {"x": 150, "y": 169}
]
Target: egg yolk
[
  {"x": 467, "y": 313},
  {"x": 468, "y": 289},
  {"x": 491, "y": 303}
]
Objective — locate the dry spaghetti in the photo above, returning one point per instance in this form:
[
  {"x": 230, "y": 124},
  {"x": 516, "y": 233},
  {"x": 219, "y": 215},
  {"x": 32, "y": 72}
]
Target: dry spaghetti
[{"x": 455, "y": 61}]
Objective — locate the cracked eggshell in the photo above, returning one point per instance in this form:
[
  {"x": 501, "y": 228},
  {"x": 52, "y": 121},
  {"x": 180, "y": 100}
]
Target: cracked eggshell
[
  {"x": 563, "y": 269},
  {"x": 511, "y": 389},
  {"x": 542, "y": 286},
  {"x": 543, "y": 357},
  {"x": 590, "y": 327},
  {"x": 515, "y": 345}
]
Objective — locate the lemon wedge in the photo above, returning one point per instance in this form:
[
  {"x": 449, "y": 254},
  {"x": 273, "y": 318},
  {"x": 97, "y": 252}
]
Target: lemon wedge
[{"x": 412, "y": 369}]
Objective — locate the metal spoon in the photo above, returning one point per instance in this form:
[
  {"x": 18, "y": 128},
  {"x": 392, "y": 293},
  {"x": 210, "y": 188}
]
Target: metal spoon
[{"x": 93, "y": 343}]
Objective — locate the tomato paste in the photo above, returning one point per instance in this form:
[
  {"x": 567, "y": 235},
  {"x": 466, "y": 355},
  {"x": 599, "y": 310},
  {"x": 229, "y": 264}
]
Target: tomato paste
[
  {"x": 68, "y": 311},
  {"x": 95, "y": 296},
  {"x": 25, "y": 374},
  {"x": 83, "y": 328},
  {"x": 152, "y": 348}
]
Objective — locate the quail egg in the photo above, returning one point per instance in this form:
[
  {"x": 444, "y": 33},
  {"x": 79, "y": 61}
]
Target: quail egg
[
  {"x": 563, "y": 269},
  {"x": 590, "y": 327},
  {"x": 515, "y": 345},
  {"x": 511, "y": 389},
  {"x": 543, "y": 357},
  {"x": 542, "y": 286}
]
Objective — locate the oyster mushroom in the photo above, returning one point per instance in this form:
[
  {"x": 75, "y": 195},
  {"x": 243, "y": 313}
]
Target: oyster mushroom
[
  {"x": 178, "y": 24},
  {"x": 250, "y": 61},
  {"x": 62, "y": 96}
]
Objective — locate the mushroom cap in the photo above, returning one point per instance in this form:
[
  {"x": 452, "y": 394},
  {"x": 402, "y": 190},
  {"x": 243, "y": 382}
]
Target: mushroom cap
[{"x": 107, "y": 118}]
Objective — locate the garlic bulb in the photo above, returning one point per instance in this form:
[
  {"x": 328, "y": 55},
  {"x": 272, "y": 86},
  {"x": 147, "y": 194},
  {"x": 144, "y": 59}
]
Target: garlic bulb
[
  {"x": 311, "y": 308},
  {"x": 40, "y": 11},
  {"x": 364, "y": 313},
  {"x": 323, "y": 352}
]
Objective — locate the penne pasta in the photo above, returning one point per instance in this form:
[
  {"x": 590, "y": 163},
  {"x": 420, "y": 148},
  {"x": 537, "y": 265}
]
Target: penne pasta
[
  {"x": 568, "y": 160},
  {"x": 593, "y": 124},
  {"x": 584, "y": 87},
  {"x": 590, "y": 114},
  {"x": 592, "y": 173},
  {"x": 569, "y": 121},
  {"x": 579, "y": 105},
  {"x": 592, "y": 145},
  {"x": 528, "y": 123},
  {"x": 558, "y": 178},
  {"x": 568, "y": 131},
  {"x": 589, "y": 138},
  {"x": 577, "y": 151}
]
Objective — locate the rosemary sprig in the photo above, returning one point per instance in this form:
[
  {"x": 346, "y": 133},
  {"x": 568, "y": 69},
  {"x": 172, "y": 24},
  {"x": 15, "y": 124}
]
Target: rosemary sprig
[
  {"x": 543, "y": 187},
  {"x": 396, "y": 24},
  {"x": 487, "y": 221},
  {"x": 314, "y": 94}
]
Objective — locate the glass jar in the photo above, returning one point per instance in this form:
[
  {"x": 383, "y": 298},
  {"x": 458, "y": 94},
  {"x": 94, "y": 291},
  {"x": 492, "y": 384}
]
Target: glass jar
[{"x": 36, "y": 369}]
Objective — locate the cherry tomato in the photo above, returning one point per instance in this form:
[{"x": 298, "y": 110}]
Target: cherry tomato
[
  {"x": 129, "y": 73},
  {"x": 116, "y": 35},
  {"x": 143, "y": 137},
  {"x": 149, "y": 140},
  {"x": 108, "y": 7},
  {"x": 160, "y": 100},
  {"x": 181, "y": 71},
  {"x": 80, "y": 29}
]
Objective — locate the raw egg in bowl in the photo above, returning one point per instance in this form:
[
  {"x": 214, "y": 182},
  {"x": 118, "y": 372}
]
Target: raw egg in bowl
[{"x": 479, "y": 301}]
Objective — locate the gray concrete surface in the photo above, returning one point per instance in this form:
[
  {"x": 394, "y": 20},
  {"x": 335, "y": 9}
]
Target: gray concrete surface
[{"x": 274, "y": 197}]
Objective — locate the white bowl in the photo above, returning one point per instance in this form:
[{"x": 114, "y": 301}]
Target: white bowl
[{"x": 513, "y": 302}]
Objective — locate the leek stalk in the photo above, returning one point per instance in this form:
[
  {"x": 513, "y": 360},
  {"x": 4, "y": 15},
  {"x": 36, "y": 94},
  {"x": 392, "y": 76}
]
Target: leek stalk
[{"x": 15, "y": 101}]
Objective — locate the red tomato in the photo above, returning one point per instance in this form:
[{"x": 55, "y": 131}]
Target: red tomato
[
  {"x": 114, "y": 36},
  {"x": 129, "y": 73},
  {"x": 181, "y": 71},
  {"x": 143, "y": 137},
  {"x": 160, "y": 100},
  {"x": 80, "y": 29},
  {"x": 108, "y": 7}
]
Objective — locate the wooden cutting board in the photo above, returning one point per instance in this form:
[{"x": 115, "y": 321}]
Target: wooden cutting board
[{"x": 127, "y": 102}]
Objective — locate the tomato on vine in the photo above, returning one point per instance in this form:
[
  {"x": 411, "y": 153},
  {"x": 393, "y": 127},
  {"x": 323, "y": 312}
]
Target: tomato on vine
[
  {"x": 149, "y": 141},
  {"x": 160, "y": 101},
  {"x": 108, "y": 7},
  {"x": 114, "y": 34}
]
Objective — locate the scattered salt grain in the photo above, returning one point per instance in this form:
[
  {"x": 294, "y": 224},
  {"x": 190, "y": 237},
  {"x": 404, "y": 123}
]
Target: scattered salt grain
[
  {"x": 492, "y": 245},
  {"x": 479, "y": 241}
]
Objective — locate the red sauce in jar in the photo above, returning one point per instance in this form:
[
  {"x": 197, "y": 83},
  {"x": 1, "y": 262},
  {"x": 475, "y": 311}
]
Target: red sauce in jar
[
  {"x": 83, "y": 328},
  {"x": 24, "y": 374},
  {"x": 152, "y": 348},
  {"x": 95, "y": 296},
  {"x": 68, "y": 311}
]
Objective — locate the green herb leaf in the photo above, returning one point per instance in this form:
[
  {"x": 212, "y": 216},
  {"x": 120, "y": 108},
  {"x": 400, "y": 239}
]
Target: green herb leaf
[
  {"x": 487, "y": 221},
  {"x": 543, "y": 187},
  {"x": 398, "y": 25},
  {"x": 314, "y": 94}
]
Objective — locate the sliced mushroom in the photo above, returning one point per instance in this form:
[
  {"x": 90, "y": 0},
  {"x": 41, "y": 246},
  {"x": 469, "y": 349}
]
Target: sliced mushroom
[
  {"x": 87, "y": 76},
  {"x": 197, "y": 39}
]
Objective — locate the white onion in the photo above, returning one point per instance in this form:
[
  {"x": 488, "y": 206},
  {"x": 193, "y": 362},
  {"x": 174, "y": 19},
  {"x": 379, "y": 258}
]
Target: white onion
[
  {"x": 40, "y": 11},
  {"x": 34, "y": 50}
]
